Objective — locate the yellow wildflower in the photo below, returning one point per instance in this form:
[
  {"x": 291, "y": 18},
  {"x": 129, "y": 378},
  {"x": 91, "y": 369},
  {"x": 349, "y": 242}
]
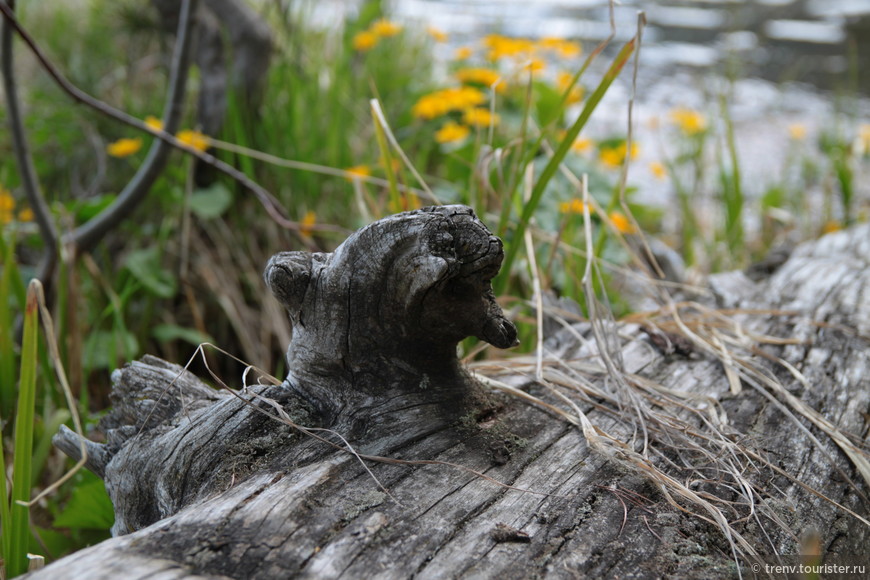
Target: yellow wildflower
[
  {"x": 797, "y": 131},
  {"x": 622, "y": 223},
  {"x": 481, "y": 76},
  {"x": 25, "y": 215},
  {"x": 364, "y": 41},
  {"x": 562, "y": 47},
  {"x": 441, "y": 102},
  {"x": 563, "y": 81},
  {"x": 831, "y": 226},
  {"x": 7, "y": 202},
  {"x": 689, "y": 121},
  {"x": 610, "y": 157},
  {"x": 436, "y": 34},
  {"x": 452, "y": 132},
  {"x": 503, "y": 46},
  {"x": 581, "y": 145},
  {"x": 462, "y": 53},
  {"x": 359, "y": 171},
  {"x": 154, "y": 123},
  {"x": 385, "y": 28},
  {"x": 124, "y": 147},
  {"x": 614, "y": 156},
  {"x": 569, "y": 50},
  {"x": 306, "y": 226},
  {"x": 864, "y": 136},
  {"x": 534, "y": 65},
  {"x": 658, "y": 170},
  {"x": 479, "y": 117},
  {"x": 193, "y": 139},
  {"x": 576, "y": 205}
]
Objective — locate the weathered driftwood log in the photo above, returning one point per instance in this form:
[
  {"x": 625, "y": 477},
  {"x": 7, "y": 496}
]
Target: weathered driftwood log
[{"x": 207, "y": 483}]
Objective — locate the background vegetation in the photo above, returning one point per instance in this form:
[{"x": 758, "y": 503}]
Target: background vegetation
[{"x": 502, "y": 130}]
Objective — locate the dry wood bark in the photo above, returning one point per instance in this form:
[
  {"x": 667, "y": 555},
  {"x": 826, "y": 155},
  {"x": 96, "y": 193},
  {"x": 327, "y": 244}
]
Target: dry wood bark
[{"x": 205, "y": 483}]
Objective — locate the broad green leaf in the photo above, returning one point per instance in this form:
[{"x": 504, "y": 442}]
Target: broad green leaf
[
  {"x": 211, "y": 202},
  {"x": 103, "y": 349},
  {"x": 145, "y": 267},
  {"x": 89, "y": 507}
]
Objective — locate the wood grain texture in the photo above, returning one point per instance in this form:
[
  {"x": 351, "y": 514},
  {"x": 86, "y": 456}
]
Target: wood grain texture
[{"x": 210, "y": 486}]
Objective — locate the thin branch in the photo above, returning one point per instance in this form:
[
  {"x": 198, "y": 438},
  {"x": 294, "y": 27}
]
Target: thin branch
[
  {"x": 88, "y": 235},
  {"x": 26, "y": 169},
  {"x": 269, "y": 202}
]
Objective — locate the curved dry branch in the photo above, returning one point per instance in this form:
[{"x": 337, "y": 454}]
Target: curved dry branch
[
  {"x": 268, "y": 201},
  {"x": 27, "y": 171},
  {"x": 86, "y": 236}
]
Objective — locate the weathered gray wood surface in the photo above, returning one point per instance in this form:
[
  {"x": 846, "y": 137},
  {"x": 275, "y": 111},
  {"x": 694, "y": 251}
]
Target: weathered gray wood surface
[{"x": 206, "y": 485}]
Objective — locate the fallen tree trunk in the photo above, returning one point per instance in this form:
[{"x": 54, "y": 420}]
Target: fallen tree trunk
[{"x": 671, "y": 445}]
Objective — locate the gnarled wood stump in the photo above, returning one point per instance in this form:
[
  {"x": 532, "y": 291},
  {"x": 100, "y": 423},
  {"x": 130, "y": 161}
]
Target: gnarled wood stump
[{"x": 206, "y": 483}]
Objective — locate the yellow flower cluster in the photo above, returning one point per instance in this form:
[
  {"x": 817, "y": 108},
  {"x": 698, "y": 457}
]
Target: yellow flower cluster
[
  {"x": 576, "y": 206},
  {"x": 563, "y": 81},
  {"x": 439, "y": 103},
  {"x": 689, "y": 121},
  {"x": 463, "y": 53},
  {"x": 481, "y": 76},
  {"x": 614, "y": 156},
  {"x": 499, "y": 46},
  {"x": 369, "y": 38},
  {"x": 479, "y": 117},
  {"x": 193, "y": 139},
  {"x": 437, "y": 34},
  {"x": 561, "y": 47},
  {"x": 130, "y": 146},
  {"x": 124, "y": 147},
  {"x": 306, "y": 225},
  {"x": 797, "y": 132},
  {"x": 359, "y": 171},
  {"x": 622, "y": 223},
  {"x": 582, "y": 145},
  {"x": 7, "y": 209},
  {"x": 451, "y": 132},
  {"x": 658, "y": 170}
]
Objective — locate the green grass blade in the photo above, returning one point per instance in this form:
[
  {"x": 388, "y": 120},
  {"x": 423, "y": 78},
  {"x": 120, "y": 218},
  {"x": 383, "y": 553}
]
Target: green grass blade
[
  {"x": 553, "y": 165},
  {"x": 733, "y": 192},
  {"x": 7, "y": 328},
  {"x": 380, "y": 133},
  {"x": 19, "y": 529},
  {"x": 5, "y": 521}
]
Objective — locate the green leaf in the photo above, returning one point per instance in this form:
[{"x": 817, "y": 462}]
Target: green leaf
[
  {"x": 89, "y": 208},
  {"x": 169, "y": 332},
  {"x": 16, "y": 520},
  {"x": 145, "y": 267},
  {"x": 211, "y": 202},
  {"x": 103, "y": 349},
  {"x": 548, "y": 103},
  {"x": 89, "y": 507}
]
